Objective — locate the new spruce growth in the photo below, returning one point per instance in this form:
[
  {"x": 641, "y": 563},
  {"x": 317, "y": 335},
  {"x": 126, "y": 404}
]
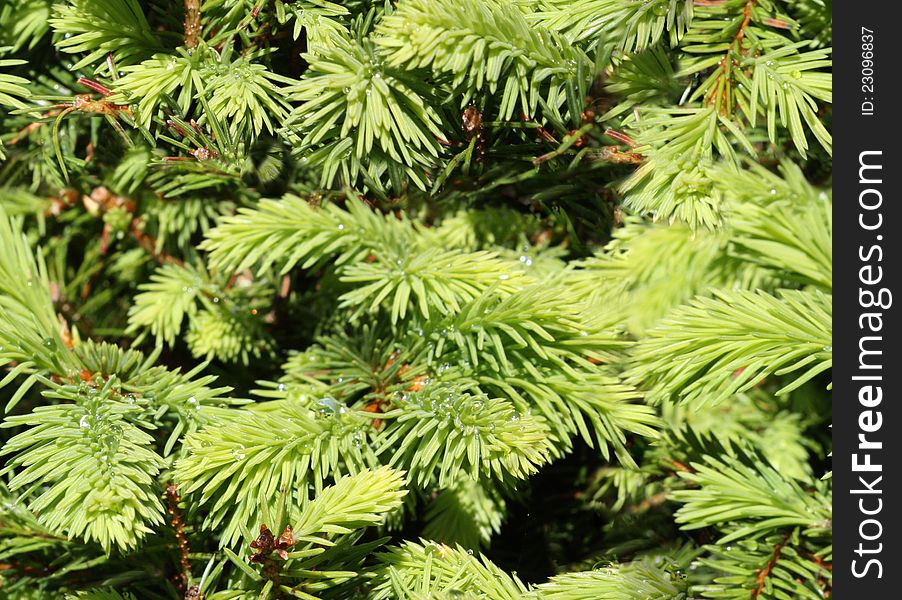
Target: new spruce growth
[{"x": 503, "y": 299}]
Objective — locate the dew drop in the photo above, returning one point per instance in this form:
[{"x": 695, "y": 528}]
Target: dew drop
[
  {"x": 84, "y": 422},
  {"x": 282, "y": 387},
  {"x": 796, "y": 74},
  {"x": 237, "y": 452},
  {"x": 341, "y": 226},
  {"x": 330, "y": 407}
]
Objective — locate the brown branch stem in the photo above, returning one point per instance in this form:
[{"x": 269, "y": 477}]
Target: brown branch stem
[
  {"x": 178, "y": 525},
  {"x": 764, "y": 573},
  {"x": 149, "y": 245},
  {"x": 720, "y": 93},
  {"x": 192, "y": 23}
]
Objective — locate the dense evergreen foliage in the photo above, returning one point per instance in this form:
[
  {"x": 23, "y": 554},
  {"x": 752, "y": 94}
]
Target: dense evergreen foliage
[{"x": 506, "y": 299}]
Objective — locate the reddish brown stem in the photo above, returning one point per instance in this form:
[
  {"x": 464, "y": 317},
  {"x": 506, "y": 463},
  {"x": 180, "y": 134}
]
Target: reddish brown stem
[
  {"x": 735, "y": 45},
  {"x": 178, "y": 525},
  {"x": 97, "y": 87},
  {"x": 150, "y": 245},
  {"x": 620, "y": 137},
  {"x": 656, "y": 500},
  {"x": 681, "y": 467},
  {"x": 192, "y": 23},
  {"x": 764, "y": 573}
]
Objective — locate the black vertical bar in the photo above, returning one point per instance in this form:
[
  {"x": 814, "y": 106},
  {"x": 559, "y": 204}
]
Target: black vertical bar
[{"x": 867, "y": 263}]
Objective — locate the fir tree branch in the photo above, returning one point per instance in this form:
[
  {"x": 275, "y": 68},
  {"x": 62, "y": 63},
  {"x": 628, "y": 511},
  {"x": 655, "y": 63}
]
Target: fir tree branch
[
  {"x": 693, "y": 358},
  {"x": 351, "y": 106},
  {"x": 103, "y": 488},
  {"x": 287, "y": 446},
  {"x": 620, "y": 582},
  {"x": 354, "y": 501},
  {"x": 630, "y": 26},
  {"x": 291, "y": 232},
  {"x": 30, "y": 335},
  {"x": 415, "y": 570},
  {"x": 101, "y": 27},
  {"x": 478, "y": 43},
  {"x": 748, "y": 499},
  {"x": 453, "y": 434}
]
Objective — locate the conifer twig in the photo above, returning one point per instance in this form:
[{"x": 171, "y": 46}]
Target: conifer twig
[
  {"x": 149, "y": 245},
  {"x": 192, "y": 23},
  {"x": 764, "y": 573},
  {"x": 722, "y": 90},
  {"x": 178, "y": 526}
]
